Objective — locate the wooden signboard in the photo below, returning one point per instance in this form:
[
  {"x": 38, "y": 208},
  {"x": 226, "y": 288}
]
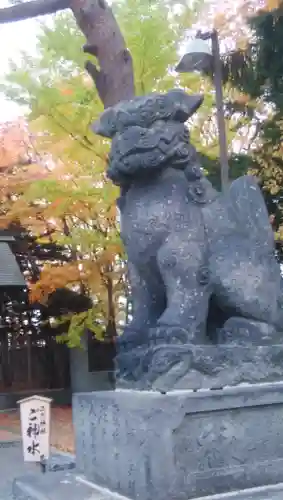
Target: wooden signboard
[{"x": 35, "y": 426}]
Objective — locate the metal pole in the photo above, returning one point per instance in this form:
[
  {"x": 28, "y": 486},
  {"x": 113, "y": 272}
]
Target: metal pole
[{"x": 224, "y": 164}]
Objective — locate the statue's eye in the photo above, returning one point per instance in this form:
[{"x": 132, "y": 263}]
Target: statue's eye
[{"x": 182, "y": 150}]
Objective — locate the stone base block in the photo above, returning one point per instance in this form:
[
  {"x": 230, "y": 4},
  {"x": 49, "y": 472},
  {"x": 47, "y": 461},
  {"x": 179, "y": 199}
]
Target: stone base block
[
  {"x": 168, "y": 367},
  {"x": 59, "y": 486},
  {"x": 274, "y": 492},
  {"x": 72, "y": 487},
  {"x": 183, "y": 444}
]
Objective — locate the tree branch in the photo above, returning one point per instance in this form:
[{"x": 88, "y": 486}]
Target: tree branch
[{"x": 31, "y": 9}]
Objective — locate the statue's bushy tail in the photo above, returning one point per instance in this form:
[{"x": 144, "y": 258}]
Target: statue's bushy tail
[{"x": 247, "y": 205}]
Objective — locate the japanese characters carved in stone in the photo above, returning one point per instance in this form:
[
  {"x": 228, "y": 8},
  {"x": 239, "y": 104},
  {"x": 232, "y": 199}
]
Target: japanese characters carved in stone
[{"x": 206, "y": 287}]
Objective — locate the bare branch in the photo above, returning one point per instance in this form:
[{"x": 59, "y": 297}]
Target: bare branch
[
  {"x": 31, "y": 9},
  {"x": 90, "y": 49}
]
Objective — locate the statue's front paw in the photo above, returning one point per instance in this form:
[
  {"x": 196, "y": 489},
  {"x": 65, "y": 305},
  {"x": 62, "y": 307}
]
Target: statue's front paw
[
  {"x": 131, "y": 339},
  {"x": 130, "y": 368},
  {"x": 167, "y": 334}
]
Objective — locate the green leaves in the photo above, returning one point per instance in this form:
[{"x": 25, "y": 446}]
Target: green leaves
[
  {"x": 57, "y": 48},
  {"x": 77, "y": 324},
  {"x": 258, "y": 71}
]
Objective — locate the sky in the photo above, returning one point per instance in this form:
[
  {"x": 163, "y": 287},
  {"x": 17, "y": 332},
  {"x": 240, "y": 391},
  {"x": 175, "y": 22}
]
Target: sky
[{"x": 14, "y": 37}]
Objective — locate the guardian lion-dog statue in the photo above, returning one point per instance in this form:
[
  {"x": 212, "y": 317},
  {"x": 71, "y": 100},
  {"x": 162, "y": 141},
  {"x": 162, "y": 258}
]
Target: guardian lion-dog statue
[{"x": 205, "y": 283}]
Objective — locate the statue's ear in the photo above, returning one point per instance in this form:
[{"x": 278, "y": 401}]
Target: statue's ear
[
  {"x": 184, "y": 105},
  {"x": 194, "y": 102}
]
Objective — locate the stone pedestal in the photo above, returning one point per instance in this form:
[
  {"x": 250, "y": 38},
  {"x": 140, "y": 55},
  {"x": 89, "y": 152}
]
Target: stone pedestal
[{"x": 182, "y": 445}]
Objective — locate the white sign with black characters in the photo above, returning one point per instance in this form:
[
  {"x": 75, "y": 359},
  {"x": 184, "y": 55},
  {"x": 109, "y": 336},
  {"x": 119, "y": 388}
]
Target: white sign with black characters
[{"x": 35, "y": 425}]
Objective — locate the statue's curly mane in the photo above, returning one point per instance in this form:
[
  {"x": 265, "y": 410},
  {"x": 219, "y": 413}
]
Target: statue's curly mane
[
  {"x": 139, "y": 153},
  {"x": 148, "y": 135}
]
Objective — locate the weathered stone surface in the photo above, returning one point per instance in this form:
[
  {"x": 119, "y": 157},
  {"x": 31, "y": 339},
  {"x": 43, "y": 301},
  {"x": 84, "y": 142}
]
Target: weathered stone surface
[
  {"x": 61, "y": 462},
  {"x": 181, "y": 445},
  {"x": 274, "y": 492},
  {"x": 196, "y": 367},
  {"x": 143, "y": 111},
  {"x": 201, "y": 264}
]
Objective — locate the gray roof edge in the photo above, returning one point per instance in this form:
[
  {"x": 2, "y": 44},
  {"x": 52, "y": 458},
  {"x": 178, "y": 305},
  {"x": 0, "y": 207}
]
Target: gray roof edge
[
  {"x": 10, "y": 273},
  {"x": 6, "y": 238}
]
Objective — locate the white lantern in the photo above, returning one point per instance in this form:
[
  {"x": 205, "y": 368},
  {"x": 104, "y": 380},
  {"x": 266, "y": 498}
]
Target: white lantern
[{"x": 197, "y": 56}]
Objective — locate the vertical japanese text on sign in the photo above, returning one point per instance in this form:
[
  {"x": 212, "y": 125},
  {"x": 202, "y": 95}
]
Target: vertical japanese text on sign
[{"x": 35, "y": 423}]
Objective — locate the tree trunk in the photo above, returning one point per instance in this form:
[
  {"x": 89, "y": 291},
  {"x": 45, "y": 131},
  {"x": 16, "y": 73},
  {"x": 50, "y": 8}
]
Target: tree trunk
[{"x": 114, "y": 79}]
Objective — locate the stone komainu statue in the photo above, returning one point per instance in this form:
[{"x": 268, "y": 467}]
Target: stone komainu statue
[{"x": 206, "y": 287}]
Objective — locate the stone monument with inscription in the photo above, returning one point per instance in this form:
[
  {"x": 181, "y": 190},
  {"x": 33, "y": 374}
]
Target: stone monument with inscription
[{"x": 198, "y": 408}]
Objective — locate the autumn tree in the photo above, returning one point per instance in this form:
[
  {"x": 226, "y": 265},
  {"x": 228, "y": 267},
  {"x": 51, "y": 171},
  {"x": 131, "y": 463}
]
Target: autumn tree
[
  {"x": 24, "y": 326},
  {"x": 255, "y": 69},
  {"x": 75, "y": 200}
]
